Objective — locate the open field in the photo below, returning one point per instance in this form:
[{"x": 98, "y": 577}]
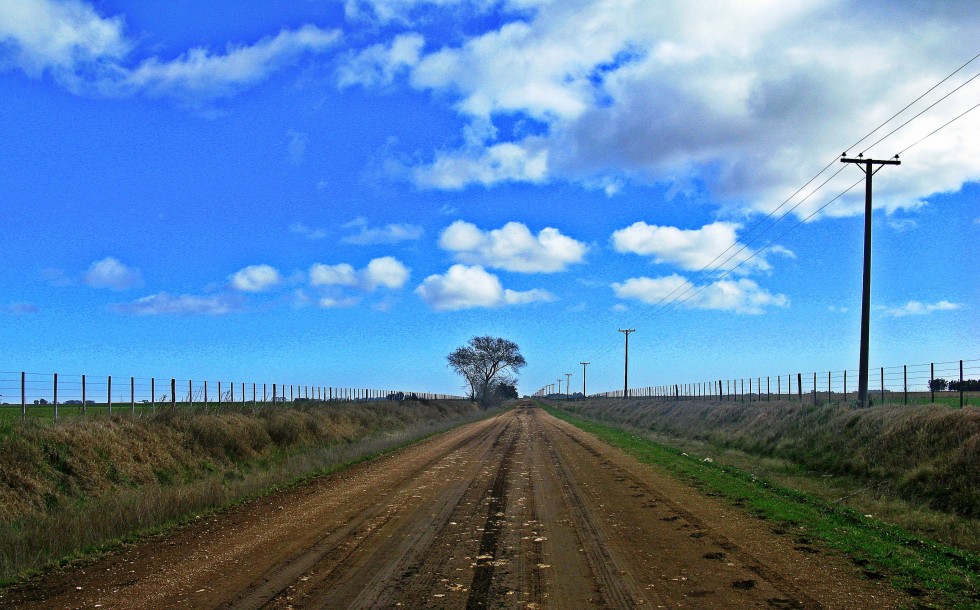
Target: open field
[{"x": 521, "y": 510}]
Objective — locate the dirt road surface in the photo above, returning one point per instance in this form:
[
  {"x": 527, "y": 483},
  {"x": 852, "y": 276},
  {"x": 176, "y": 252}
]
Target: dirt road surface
[{"x": 518, "y": 511}]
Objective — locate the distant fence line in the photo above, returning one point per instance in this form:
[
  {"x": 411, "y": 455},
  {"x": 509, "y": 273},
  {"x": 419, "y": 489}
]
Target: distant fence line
[
  {"x": 80, "y": 394},
  {"x": 895, "y": 384}
]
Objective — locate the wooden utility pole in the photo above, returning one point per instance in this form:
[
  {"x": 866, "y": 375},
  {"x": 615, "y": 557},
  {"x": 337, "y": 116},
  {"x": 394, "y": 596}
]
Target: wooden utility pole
[
  {"x": 626, "y": 366},
  {"x": 584, "y": 364},
  {"x": 568, "y": 387},
  {"x": 867, "y": 166}
]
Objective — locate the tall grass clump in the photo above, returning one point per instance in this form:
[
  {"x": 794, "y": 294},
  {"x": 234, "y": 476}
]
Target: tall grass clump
[{"x": 86, "y": 482}]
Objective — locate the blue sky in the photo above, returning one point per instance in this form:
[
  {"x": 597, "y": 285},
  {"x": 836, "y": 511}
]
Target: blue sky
[{"x": 343, "y": 192}]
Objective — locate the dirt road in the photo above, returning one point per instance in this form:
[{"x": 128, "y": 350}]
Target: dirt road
[{"x": 519, "y": 511}]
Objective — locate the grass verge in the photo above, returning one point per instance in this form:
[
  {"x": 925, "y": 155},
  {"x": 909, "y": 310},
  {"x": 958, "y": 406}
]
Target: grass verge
[
  {"x": 938, "y": 576},
  {"x": 90, "y": 525}
]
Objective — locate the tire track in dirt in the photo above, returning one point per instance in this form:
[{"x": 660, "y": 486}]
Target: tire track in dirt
[{"x": 728, "y": 549}]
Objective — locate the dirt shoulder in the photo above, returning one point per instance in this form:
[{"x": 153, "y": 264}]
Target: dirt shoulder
[{"x": 520, "y": 510}]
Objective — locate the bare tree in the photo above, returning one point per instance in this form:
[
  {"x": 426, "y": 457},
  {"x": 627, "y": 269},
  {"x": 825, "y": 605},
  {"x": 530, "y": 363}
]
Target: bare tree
[{"x": 484, "y": 363}]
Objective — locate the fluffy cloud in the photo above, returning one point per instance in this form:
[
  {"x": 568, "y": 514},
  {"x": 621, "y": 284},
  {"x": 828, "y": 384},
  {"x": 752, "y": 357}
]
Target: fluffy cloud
[
  {"x": 741, "y": 296},
  {"x": 112, "y": 274},
  {"x": 747, "y": 101},
  {"x": 378, "y": 64},
  {"x": 255, "y": 278},
  {"x": 512, "y": 247},
  {"x": 916, "y": 308},
  {"x": 88, "y": 53},
  {"x": 388, "y": 234},
  {"x": 166, "y": 304},
  {"x": 386, "y": 271},
  {"x": 714, "y": 246},
  {"x": 341, "y": 274},
  {"x": 463, "y": 287}
]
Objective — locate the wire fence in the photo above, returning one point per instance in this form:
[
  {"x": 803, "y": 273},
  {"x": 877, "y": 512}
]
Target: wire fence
[
  {"x": 50, "y": 395},
  {"x": 954, "y": 382}
]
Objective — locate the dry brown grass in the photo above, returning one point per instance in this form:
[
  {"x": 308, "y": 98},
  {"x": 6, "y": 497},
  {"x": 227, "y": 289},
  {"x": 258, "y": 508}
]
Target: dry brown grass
[
  {"x": 86, "y": 482},
  {"x": 916, "y": 466}
]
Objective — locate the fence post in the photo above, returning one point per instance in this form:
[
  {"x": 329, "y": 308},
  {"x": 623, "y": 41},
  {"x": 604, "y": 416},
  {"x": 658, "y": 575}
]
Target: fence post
[
  {"x": 218, "y": 407},
  {"x": 779, "y": 387},
  {"x": 814, "y": 388},
  {"x": 56, "y": 398},
  {"x": 768, "y": 393},
  {"x": 132, "y": 394},
  {"x": 799, "y": 386},
  {"x": 828, "y": 388},
  {"x": 905, "y": 384},
  {"x": 109, "y": 394},
  {"x": 274, "y": 394},
  {"x": 932, "y": 388},
  {"x": 84, "y": 402},
  {"x": 153, "y": 395},
  {"x": 173, "y": 394},
  {"x": 205, "y": 395},
  {"x": 961, "y": 384},
  {"x": 845, "y": 385},
  {"x": 23, "y": 395}
]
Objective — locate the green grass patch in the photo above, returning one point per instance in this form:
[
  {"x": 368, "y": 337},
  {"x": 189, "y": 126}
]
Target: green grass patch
[{"x": 947, "y": 577}]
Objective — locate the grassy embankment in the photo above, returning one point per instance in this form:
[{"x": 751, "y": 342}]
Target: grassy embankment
[
  {"x": 86, "y": 483},
  {"x": 931, "y": 453}
]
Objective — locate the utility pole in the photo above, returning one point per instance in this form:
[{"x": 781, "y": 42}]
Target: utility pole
[
  {"x": 626, "y": 366},
  {"x": 867, "y": 166},
  {"x": 584, "y": 364},
  {"x": 559, "y": 386},
  {"x": 568, "y": 391}
]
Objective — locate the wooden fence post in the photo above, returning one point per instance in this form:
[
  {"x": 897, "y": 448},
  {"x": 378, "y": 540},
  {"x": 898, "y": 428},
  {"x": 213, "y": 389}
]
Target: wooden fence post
[
  {"x": 173, "y": 394},
  {"x": 932, "y": 375},
  {"x": 132, "y": 394},
  {"x": 799, "y": 386},
  {"x": 961, "y": 384},
  {"x": 23, "y": 395},
  {"x": 153, "y": 395},
  {"x": 109, "y": 394},
  {"x": 55, "y": 398},
  {"x": 882, "y": 385},
  {"x": 84, "y": 402},
  {"x": 905, "y": 384}
]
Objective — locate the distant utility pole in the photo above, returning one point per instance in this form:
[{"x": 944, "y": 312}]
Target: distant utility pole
[
  {"x": 559, "y": 386},
  {"x": 626, "y": 366},
  {"x": 568, "y": 391},
  {"x": 584, "y": 364},
  {"x": 869, "y": 171}
]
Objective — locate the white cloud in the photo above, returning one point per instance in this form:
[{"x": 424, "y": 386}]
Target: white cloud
[
  {"x": 338, "y": 303},
  {"x": 715, "y": 246},
  {"x": 389, "y": 234},
  {"x": 505, "y": 162},
  {"x": 60, "y": 37},
  {"x": 341, "y": 274},
  {"x": 307, "y": 232},
  {"x": 166, "y": 304},
  {"x": 744, "y": 100},
  {"x": 112, "y": 274},
  {"x": 378, "y": 64},
  {"x": 255, "y": 278},
  {"x": 463, "y": 287},
  {"x": 386, "y": 271},
  {"x": 512, "y": 247},
  {"x": 917, "y": 308},
  {"x": 741, "y": 296},
  {"x": 88, "y": 53}
]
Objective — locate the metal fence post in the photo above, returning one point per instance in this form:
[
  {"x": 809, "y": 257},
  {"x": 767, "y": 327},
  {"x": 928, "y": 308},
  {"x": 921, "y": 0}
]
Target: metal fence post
[
  {"x": 882, "y": 385},
  {"x": 23, "y": 395},
  {"x": 55, "y": 398},
  {"x": 905, "y": 384},
  {"x": 932, "y": 388},
  {"x": 108, "y": 393},
  {"x": 961, "y": 384},
  {"x": 84, "y": 402},
  {"x": 132, "y": 394},
  {"x": 153, "y": 395}
]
